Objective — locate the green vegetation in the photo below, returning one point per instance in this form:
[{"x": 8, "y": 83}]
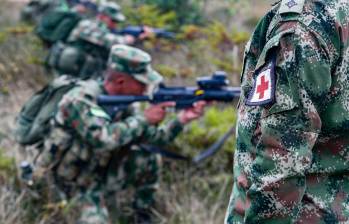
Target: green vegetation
[
  {"x": 22, "y": 56},
  {"x": 149, "y": 15},
  {"x": 204, "y": 132},
  {"x": 166, "y": 70},
  {"x": 7, "y": 166},
  {"x": 185, "y": 11}
]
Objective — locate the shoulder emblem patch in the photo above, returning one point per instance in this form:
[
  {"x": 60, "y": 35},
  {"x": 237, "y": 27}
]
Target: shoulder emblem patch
[
  {"x": 263, "y": 91},
  {"x": 293, "y": 6}
]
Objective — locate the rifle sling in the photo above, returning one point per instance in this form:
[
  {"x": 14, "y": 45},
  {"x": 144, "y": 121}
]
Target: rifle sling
[
  {"x": 210, "y": 151},
  {"x": 164, "y": 152}
]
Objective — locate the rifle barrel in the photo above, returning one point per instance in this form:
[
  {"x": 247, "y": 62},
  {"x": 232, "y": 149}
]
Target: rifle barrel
[{"x": 114, "y": 100}]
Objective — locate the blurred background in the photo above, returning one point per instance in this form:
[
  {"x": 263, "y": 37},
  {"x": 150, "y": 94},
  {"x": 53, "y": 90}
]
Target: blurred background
[{"x": 210, "y": 36}]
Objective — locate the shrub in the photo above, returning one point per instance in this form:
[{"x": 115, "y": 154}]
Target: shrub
[
  {"x": 7, "y": 166},
  {"x": 186, "y": 11},
  {"x": 22, "y": 58},
  {"x": 149, "y": 15},
  {"x": 204, "y": 132},
  {"x": 166, "y": 70}
]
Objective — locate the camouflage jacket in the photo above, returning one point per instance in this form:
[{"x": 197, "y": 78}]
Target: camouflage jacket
[
  {"x": 95, "y": 32},
  {"x": 292, "y": 159},
  {"x": 85, "y": 138}
]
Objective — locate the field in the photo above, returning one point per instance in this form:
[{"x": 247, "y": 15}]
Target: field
[{"x": 210, "y": 38}]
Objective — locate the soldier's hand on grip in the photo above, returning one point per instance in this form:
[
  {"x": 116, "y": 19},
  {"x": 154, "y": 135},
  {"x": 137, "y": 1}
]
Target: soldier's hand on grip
[
  {"x": 156, "y": 113},
  {"x": 187, "y": 115}
]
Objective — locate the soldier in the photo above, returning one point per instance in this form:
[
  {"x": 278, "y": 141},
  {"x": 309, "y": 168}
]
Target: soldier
[
  {"x": 92, "y": 155},
  {"x": 86, "y": 8},
  {"x": 98, "y": 31},
  {"x": 34, "y": 10},
  {"x": 86, "y": 50},
  {"x": 291, "y": 163}
]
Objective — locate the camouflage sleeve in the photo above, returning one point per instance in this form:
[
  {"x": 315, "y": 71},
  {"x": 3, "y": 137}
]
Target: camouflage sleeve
[
  {"x": 164, "y": 133},
  {"x": 92, "y": 33},
  {"x": 90, "y": 123},
  {"x": 103, "y": 39},
  {"x": 289, "y": 128}
]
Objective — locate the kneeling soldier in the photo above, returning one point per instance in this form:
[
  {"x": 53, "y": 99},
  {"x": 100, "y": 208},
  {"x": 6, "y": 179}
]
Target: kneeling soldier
[{"x": 95, "y": 157}]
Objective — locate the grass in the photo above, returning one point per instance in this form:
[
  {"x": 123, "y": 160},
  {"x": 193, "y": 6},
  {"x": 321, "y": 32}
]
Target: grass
[{"x": 191, "y": 195}]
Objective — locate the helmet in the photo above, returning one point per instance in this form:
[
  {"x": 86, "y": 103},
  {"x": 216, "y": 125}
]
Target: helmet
[
  {"x": 134, "y": 62},
  {"x": 112, "y": 10}
]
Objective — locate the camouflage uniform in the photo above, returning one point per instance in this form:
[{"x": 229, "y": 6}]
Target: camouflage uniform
[
  {"x": 90, "y": 154},
  {"x": 87, "y": 48},
  {"x": 292, "y": 159},
  {"x": 96, "y": 32}
]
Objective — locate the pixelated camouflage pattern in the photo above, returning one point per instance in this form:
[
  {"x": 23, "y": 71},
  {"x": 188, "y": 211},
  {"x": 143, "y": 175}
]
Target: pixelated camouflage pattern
[
  {"x": 88, "y": 153},
  {"x": 130, "y": 188},
  {"x": 135, "y": 62},
  {"x": 128, "y": 59},
  {"x": 113, "y": 10},
  {"x": 95, "y": 32},
  {"x": 292, "y": 159}
]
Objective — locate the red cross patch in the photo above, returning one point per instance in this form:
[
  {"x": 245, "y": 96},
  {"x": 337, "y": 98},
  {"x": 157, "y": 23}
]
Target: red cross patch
[{"x": 263, "y": 91}]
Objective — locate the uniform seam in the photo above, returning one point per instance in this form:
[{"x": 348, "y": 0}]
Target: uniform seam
[{"x": 320, "y": 40}]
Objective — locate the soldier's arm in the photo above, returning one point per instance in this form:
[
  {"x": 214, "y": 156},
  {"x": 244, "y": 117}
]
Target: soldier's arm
[
  {"x": 170, "y": 130},
  {"x": 90, "y": 123},
  {"x": 289, "y": 128},
  {"x": 91, "y": 33},
  {"x": 109, "y": 39},
  {"x": 163, "y": 134}
]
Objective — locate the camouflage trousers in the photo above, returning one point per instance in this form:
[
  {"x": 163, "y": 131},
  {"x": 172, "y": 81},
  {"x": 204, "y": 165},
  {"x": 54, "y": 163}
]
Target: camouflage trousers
[{"x": 127, "y": 193}]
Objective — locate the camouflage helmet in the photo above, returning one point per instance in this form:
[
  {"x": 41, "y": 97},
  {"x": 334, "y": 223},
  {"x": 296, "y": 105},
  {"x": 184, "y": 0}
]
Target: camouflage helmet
[
  {"x": 134, "y": 62},
  {"x": 113, "y": 10}
]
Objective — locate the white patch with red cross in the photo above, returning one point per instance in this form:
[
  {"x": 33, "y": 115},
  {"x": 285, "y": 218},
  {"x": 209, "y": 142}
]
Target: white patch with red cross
[{"x": 263, "y": 91}]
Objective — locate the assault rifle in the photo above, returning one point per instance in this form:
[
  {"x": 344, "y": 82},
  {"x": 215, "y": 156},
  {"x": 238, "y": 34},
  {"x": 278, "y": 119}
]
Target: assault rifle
[
  {"x": 136, "y": 31},
  {"x": 214, "y": 88}
]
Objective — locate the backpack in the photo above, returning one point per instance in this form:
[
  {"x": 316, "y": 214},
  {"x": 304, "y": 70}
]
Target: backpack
[
  {"x": 57, "y": 25},
  {"x": 33, "y": 121},
  {"x": 75, "y": 61}
]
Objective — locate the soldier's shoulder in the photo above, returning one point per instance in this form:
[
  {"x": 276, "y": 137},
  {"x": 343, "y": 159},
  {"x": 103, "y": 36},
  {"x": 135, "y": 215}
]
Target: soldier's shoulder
[
  {"x": 84, "y": 90},
  {"x": 87, "y": 23},
  {"x": 313, "y": 14},
  {"x": 306, "y": 9},
  {"x": 289, "y": 6},
  {"x": 299, "y": 8},
  {"x": 91, "y": 87}
]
